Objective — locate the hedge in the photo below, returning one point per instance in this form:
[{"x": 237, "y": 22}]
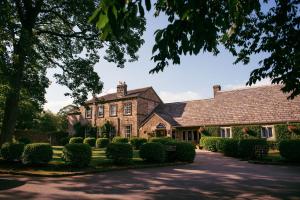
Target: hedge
[
  {"x": 24, "y": 140},
  {"x": 230, "y": 147},
  {"x": 209, "y": 143},
  {"x": 90, "y": 141},
  {"x": 221, "y": 143},
  {"x": 12, "y": 151},
  {"x": 120, "y": 153},
  {"x": 137, "y": 142},
  {"x": 185, "y": 152},
  {"x": 162, "y": 140},
  {"x": 246, "y": 148},
  {"x": 120, "y": 140},
  {"x": 37, "y": 153},
  {"x": 238, "y": 132},
  {"x": 102, "y": 142},
  {"x": 75, "y": 140},
  {"x": 77, "y": 155},
  {"x": 290, "y": 150},
  {"x": 153, "y": 152}
]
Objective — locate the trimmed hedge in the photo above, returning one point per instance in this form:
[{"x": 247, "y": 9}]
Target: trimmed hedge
[
  {"x": 76, "y": 140},
  {"x": 162, "y": 140},
  {"x": 185, "y": 152},
  {"x": 120, "y": 153},
  {"x": 273, "y": 145},
  {"x": 246, "y": 147},
  {"x": 12, "y": 151},
  {"x": 90, "y": 141},
  {"x": 209, "y": 143},
  {"x": 102, "y": 142},
  {"x": 290, "y": 150},
  {"x": 230, "y": 147},
  {"x": 221, "y": 143},
  {"x": 24, "y": 140},
  {"x": 120, "y": 140},
  {"x": 153, "y": 152},
  {"x": 77, "y": 155},
  {"x": 37, "y": 153},
  {"x": 137, "y": 142}
]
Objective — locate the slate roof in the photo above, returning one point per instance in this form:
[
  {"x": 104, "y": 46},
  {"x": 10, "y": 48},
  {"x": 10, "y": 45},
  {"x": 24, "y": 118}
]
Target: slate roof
[
  {"x": 113, "y": 96},
  {"x": 260, "y": 105}
]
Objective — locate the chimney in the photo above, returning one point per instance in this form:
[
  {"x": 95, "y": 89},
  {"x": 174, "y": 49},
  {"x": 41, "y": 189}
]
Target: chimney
[
  {"x": 216, "y": 88},
  {"x": 121, "y": 89}
]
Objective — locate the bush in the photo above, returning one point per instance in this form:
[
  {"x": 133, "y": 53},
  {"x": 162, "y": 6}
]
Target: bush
[
  {"x": 24, "y": 140},
  {"x": 246, "y": 148},
  {"x": 90, "y": 141},
  {"x": 273, "y": 145},
  {"x": 185, "y": 152},
  {"x": 290, "y": 150},
  {"x": 63, "y": 141},
  {"x": 120, "y": 140},
  {"x": 75, "y": 140},
  {"x": 37, "y": 153},
  {"x": 102, "y": 142},
  {"x": 162, "y": 140},
  {"x": 57, "y": 136},
  {"x": 12, "y": 151},
  {"x": 153, "y": 152},
  {"x": 209, "y": 143},
  {"x": 120, "y": 153},
  {"x": 229, "y": 147},
  {"x": 77, "y": 155},
  {"x": 137, "y": 142},
  {"x": 221, "y": 144}
]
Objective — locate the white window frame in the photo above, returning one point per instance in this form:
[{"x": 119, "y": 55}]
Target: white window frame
[
  {"x": 127, "y": 108},
  {"x": 128, "y": 132},
  {"x": 110, "y": 110},
  {"x": 225, "y": 129},
  {"x": 268, "y": 134},
  {"x": 86, "y": 113},
  {"x": 101, "y": 106}
]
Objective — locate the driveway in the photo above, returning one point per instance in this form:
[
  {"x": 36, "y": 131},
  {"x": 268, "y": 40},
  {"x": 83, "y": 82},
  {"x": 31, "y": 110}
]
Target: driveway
[{"x": 211, "y": 176}]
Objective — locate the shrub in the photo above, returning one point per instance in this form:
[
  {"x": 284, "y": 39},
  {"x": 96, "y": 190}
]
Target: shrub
[
  {"x": 246, "y": 148},
  {"x": 37, "y": 153},
  {"x": 153, "y": 152},
  {"x": 63, "y": 141},
  {"x": 90, "y": 141},
  {"x": 229, "y": 147},
  {"x": 221, "y": 143},
  {"x": 119, "y": 140},
  {"x": 273, "y": 145},
  {"x": 77, "y": 155},
  {"x": 209, "y": 143},
  {"x": 137, "y": 142},
  {"x": 12, "y": 151},
  {"x": 290, "y": 150},
  {"x": 75, "y": 140},
  {"x": 120, "y": 153},
  {"x": 162, "y": 140},
  {"x": 102, "y": 142},
  {"x": 185, "y": 152},
  {"x": 24, "y": 140},
  {"x": 57, "y": 136}
]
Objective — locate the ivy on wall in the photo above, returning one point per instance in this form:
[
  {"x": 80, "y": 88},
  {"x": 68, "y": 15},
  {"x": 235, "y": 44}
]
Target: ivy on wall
[
  {"x": 285, "y": 132},
  {"x": 210, "y": 131},
  {"x": 246, "y": 131}
]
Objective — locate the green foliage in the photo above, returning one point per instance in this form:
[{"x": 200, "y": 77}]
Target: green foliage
[
  {"x": 120, "y": 153},
  {"x": 153, "y": 152},
  {"x": 273, "y": 144},
  {"x": 185, "y": 152},
  {"x": 230, "y": 147},
  {"x": 247, "y": 131},
  {"x": 137, "y": 142},
  {"x": 221, "y": 143},
  {"x": 12, "y": 151},
  {"x": 57, "y": 136},
  {"x": 24, "y": 140},
  {"x": 211, "y": 131},
  {"x": 162, "y": 140},
  {"x": 282, "y": 132},
  {"x": 210, "y": 143},
  {"x": 120, "y": 140},
  {"x": 246, "y": 148},
  {"x": 75, "y": 140},
  {"x": 290, "y": 150},
  {"x": 37, "y": 153},
  {"x": 63, "y": 141},
  {"x": 77, "y": 155},
  {"x": 107, "y": 130},
  {"x": 50, "y": 122},
  {"x": 90, "y": 141},
  {"x": 102, "y": 142}
]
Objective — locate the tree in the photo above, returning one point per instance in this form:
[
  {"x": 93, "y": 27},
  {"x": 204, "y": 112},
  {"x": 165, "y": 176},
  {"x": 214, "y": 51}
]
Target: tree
[
  {"x": 36, "y": 35},
  {"x": 243, "y": 27}
]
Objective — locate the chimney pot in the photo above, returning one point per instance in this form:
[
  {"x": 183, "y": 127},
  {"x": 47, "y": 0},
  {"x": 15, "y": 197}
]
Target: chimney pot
[{"x": 216, "y": 89}]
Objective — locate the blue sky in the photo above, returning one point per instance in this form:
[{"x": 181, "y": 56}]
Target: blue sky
[{"x": 192, "y": 79}]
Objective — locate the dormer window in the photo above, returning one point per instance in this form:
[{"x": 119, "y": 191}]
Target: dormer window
[
  {"x": 127, "y": 108},
  {"x": 88, "y": 112},
  {"x": 101, "y": 111},
  {"x": 113, "y": 110}
]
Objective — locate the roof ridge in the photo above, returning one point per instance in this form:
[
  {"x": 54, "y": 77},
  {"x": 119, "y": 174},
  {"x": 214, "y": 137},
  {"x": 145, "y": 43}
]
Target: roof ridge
[
  {"x": 127, "y": 91},
  {"x": 250, "y": 87}
]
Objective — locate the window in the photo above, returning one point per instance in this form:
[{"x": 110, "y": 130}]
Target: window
[
  {"x": 195, "y": 135},
  {"x": 101, "y": 111},
  {"x": 88, "y": 112},
  {"x": 127, "y": 108},
  {"x": 183, "y": 135},
  {"x": 128, "y": 131},
  {"x": 113, "y": 110},
  {"x": 226, "y": 132},
  {"x": 173, "y": 134},
  {"x": 189, "y": 135},
  {"x": 267, "y": 132}
]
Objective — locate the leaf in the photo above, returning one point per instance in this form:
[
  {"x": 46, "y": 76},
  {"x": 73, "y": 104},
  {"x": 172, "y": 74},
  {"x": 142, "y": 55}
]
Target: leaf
[
  {"x": 102, "y": 21},
  {"x": 141, "y": 9},
  {"x": 95, "y": 16},
  {"x": 148, "y": 5}
]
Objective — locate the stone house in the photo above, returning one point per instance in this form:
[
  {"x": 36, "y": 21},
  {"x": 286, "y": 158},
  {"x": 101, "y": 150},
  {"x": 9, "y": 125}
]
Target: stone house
[{"x": 142, "y": 113}]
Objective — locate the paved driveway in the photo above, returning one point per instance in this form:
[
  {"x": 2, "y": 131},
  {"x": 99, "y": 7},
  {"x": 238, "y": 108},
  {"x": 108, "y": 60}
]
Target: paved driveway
[{"x": 211, "y": 176}]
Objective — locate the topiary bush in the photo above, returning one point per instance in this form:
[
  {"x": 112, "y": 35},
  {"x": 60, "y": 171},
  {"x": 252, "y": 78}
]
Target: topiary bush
[
  {"x": 162, "y": 140},
  {"x": 137, "y": 142},
  {"x": 290, "y": 150},
  {"x": 77, "y": 155},
  {"x": 120, "y": 153},
  {"x": 120, "y": 140},
  {"x": 37, "y": 153},
  {"x": 153, "y": 152},
  {"x": 185, "y": 152},
  {"x": 12, "y": 151},
  {"x": 209, "y": 143},
  {"x": 246, "y": 148},
  {"x": 90, "y": 141},
  {"x": 24, "y": 140},
  {"x": 102, "y": 142},
  {"x": 75, "y": 140},
  {"x": 229, "y": 147}
]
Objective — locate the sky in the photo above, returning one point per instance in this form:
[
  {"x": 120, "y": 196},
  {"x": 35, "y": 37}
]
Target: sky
[{"x": 192, "y": 79}]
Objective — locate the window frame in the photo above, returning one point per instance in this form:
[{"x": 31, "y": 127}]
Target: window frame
[
  {"x": 124, "y": 106},
  {"x": 267, "y": 127},
  {"x": 99, "y": 106},
  {"x": 225, "y": 128},
  {"x": 125, "y": 130},
  {"x": 85, "y": 112},
  {"x": 110, "y": 106}
]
